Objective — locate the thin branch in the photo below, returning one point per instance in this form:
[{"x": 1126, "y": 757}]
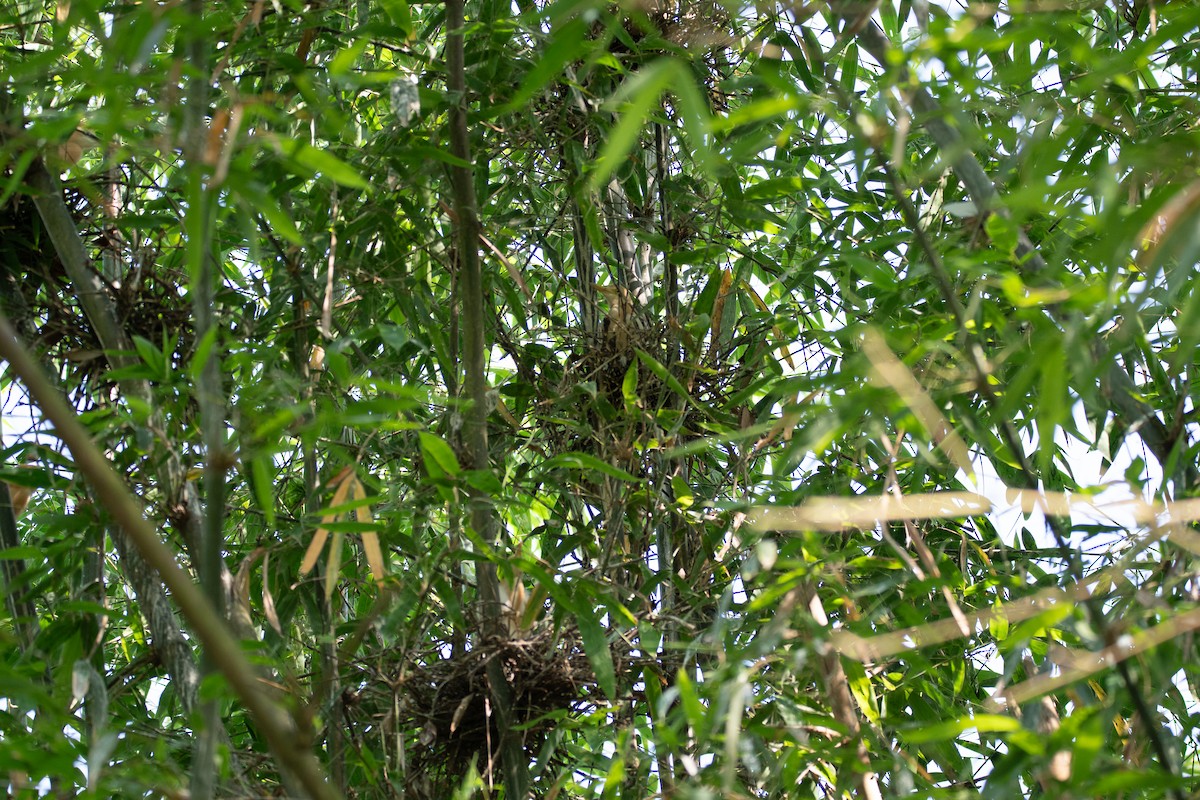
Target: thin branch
[{"x": 837, "y": 686}]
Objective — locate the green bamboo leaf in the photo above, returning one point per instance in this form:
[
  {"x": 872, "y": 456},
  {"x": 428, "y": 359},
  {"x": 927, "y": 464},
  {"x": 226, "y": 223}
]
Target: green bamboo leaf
[
  {"x": 418, "y": 153},
  {"x": 568, "y": 43},
  {"x": 629, "y": 388},
  {"x": 22, "y": 552},
  {"x": 643, "y": 93},
  {"x": 260, "y": 476},
  {"x": 203, "y": 350},
  {"x": 664, "y": 374},
  {"x": 595, "y": 645},
  {"x": 697, "y": 120},
  {"x": 18, "y": 168},
  {"x": 1120, "y": 781},
  {"x": 984, "y": 723},
  {"x": 1003, "y": 233},
  {"x": 682, "y": 492},
  {"x": 1188, "y": 326},
  {"x": 255, "y": 196},
  {"x": 1053, "y": 403},
  {"x": 584, "y": 461},
  {"x": 1021, "y": 633},
  {"x": 399, "y": 12},
  {"x": 322, "y": 162},
  {"x": 693, "y": 709},
  {"x": 153, "y": 357},
  {"x": 438, "y": 455},
  {"x": 344, "y": 62}
]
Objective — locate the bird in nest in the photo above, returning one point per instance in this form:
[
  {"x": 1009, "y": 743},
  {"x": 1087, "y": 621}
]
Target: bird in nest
[{"x": 622, "y": 319}]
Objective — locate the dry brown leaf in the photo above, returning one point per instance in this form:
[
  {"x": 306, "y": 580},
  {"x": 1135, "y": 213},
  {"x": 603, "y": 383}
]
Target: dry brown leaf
[
  {"x": 719, "y": 309},
  {"x": 761, "y": 305},
  {"x": 370, "y": 538},
  {"x": 268, "y": 600},
  {"x": 333, "y": 564},
  {"x": 463, "y": 705},
  {"x": 240, "y": 615},
  {"x": 318, "y": 542}
]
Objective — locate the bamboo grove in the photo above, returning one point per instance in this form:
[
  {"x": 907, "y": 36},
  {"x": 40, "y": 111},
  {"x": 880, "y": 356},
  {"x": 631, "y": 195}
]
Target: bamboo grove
[{"x": 583, "y": 399}]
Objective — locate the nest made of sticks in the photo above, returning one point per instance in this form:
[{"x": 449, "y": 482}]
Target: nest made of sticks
[
  {"x": 589, "y": 398},
  {"x": 35, "y": 291},
  {"x": 450, "y": 703}
]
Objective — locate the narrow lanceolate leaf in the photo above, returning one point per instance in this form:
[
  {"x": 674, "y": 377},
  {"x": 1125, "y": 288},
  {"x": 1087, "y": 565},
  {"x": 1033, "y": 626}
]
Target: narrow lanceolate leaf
[
  {"x": 718, "y": 309},
  {"x": 344, "y": 486},
  {"x": 585, "y": 461},
  {"x": 595, "y": 645},
  {"x": 666, "y": 377},
  {"x": 984, "y": 723},
  {"x": 776, "y": 331},
  {"x": 568, "y": 43},
  {"x": 258, "y": 200},
  {"x": 322, "y": 162},
  {"x": 370, "y": 538},
  {"x": 240, "y": 594},
  {"x": 439, "y": 457},
  {"x": 643, "y": 93},
  {"x": 1011, "y": 200},
  {"x": 697, "y": 120},
  {"x": 333, "y": 563},
  {"x": 260, "y": 481},
  {"x": 399, "y": 12}
]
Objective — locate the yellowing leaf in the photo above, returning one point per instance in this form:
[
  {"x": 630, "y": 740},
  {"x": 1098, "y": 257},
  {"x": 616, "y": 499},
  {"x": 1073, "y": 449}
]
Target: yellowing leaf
[
  {"x": 318, "y": 542},
  {"x": 761, "y": 305},
  {"x": 719, "y": 308},
  {"x": 314, "y": 550},
  {"x": 334, "y": 564},
  {"x": 268, "y": 600},
  {"x": 370, "y": 538},
  {"x": 347, "y": 486}
]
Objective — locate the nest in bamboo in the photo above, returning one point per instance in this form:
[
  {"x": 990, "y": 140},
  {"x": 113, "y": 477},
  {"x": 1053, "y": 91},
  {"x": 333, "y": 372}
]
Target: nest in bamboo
[
  {"x": 450, "y": 703},
  {"x": 606, "y": 357},
  {"x": 39, "y": 297},
  {"x": 595, "y": 374}
]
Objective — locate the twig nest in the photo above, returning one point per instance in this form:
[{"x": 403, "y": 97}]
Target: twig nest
[{"x": 449, "y": 702}]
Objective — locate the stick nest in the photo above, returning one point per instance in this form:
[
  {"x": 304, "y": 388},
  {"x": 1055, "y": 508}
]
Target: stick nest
[
  {"x": 39, "y": 297},
  {"x": 450, "y": 702}
]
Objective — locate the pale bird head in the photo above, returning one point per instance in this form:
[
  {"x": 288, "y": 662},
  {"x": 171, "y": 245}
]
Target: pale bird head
[{"x": 620, "y": 305}]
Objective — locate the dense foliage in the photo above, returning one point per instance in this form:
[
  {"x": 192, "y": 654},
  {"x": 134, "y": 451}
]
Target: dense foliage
[{"x": 681, "y": 399}]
